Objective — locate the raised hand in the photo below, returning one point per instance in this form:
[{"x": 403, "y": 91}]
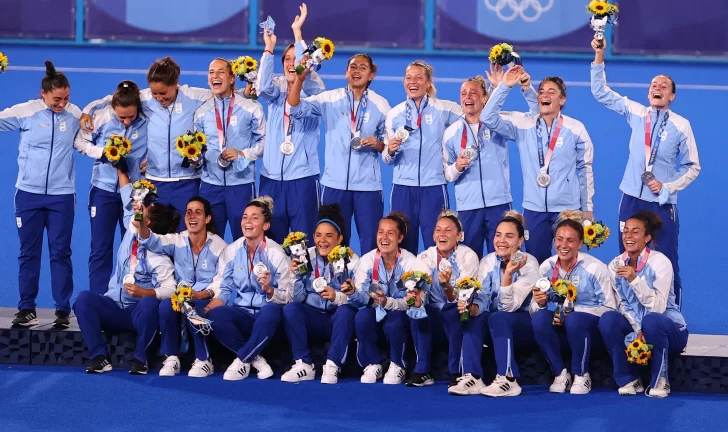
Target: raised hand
[
  {"x": 298, "y": 22},
  {"x": 495, "y": 76},
  {"x": 513, "y": 76}
]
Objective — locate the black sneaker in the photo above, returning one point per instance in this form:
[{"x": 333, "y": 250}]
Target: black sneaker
[
  {"x": 62, "y": 320},
  {"x": 99, "y": 364},
  {"x": 453, "y": 380},
  {"x": 25, "y": 318},
  {"x": 420, "y": 380},
  {"x": 138, "y": 368}
]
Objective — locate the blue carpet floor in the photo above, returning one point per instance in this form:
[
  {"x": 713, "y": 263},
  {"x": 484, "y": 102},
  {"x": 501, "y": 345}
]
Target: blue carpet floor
[{"x": 34, "y": 398}]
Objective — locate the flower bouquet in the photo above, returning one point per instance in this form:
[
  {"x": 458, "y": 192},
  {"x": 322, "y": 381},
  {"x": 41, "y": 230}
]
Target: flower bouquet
[
  {"x": 466, "y": 289},
  {"x": 602, "y": 13},
  {"x": 564, "y": 293},
  {"x": 246, "y": 68},
  {"x": 3, "y": 62},
  {"x": 595, "y": 233},
  {"x": 295, "y": 246},
  {"x": 192, "y": 146},
  {"x": 143, "y": 193},
  {"x": 638, "y": 350},
  {"x": 321, "y": 49},
  {"x": 182, "y": 302},
  {"x": 116, "y": 150},
  {"x": 339, "y": 257},
  {"x": 503, "y": 54},
  {"x": 415, "y": 281}
]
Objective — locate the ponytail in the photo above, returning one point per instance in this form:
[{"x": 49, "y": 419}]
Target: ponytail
[
  {"x": 265, "y": 204},
  {"x": 53, "y": 79},
  {"x": 512, "y": 216},
  {"x": 572, "y": 219},
  {"x": 126, "y": 95}
]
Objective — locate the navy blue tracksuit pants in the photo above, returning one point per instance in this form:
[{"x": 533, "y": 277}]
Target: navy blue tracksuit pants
[
  {"x": 540, "y": 233},
  {"x": 366, "y": 207},
  {"x": 106, "y": 211},
  {"x": 243, "y": 332},
  {"x": 479, "y": 226},
  {"x": 368, "y": 333},
  {"x": 296, "y": 206},
  {"x": 422, "y": 205},
  {"x": 33, "y": 214},
  {"x": 580, "y": 331},
  {"x": 666, "y": 239},
  {"x": 304, "y": 323},
  {"x": 510, "y": 331},
  {"x": 177, "y": 194},
  {"x": 228, "y": 204},
  {"x": 441, "y": 325},
  {"x": 170, "y": 326},
  {"x": 96, "y": 313}
]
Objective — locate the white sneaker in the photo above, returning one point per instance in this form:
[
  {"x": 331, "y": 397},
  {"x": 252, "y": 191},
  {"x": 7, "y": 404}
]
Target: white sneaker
[
  {"x": 502, "y": 387},
  {"x": 330, "y": 374},
  {"x": 582, "y": 384},
  {"x": 395, "y": 374},
  {"x": 371, "y": 374},
  {"x": 201, "y": 369},
  {"x": 561, "y": 382},
  {"x": 170, "y": 367},
  {"x": 237, "y": 371},
  {"x": 632, "y": 388},
  {"x": 661, "y": 390},
  {"x": 264, "y": 370},
  {"x": 300, "y": 371},
  {"x": 467, "y": 385}
]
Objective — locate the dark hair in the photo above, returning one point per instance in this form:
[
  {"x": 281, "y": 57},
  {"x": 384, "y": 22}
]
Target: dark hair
[
  {"x": 210, "y": 226},
  {"x": 265, "y": 204},
  {"x": 429, "y": 71},
  {"x": 164, "y": 70},
  {"x": 163, "y": 219},
  {"x": 332, "y": 212},
  {"x": 52, "y": 79},
  {"x": 366, "y": 57},
  {"x": 674, "y": 87},
  {"x": 576, "y": 226},
  {"x": 512, "y": 216},
  {"x": 400, "y": 219},
  {"x": 650, "y": 220},
  {"x": 556, "y": 80},
  {"x": 283, "y": 56},
  {"x": 126, "y": 95}
]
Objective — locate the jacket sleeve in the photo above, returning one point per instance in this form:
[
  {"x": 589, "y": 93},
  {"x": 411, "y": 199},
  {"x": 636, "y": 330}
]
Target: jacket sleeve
[
  {"x": 160, "y": 244},
  {"x": 93, "y": 106},
  {"x": 11, "y": 120},
  {"x": 453, "y": 113},
  {"x": 584, "y": 171},
  {"x": 283, "y": 293},
  {"x": 223, "y": 284},
  {"x": 164, "y": 269},
  {"x": 608, "y": 97},
  {"x": 491, "y": 113},
  {"x": 362, "y": 280},
  {"x": 531, "y": 97},
  {"x": 312, "y": 106},
  {"x": 513, "y": 295},
  {"x": 257, "y": 127},
  {"x": 689, "y": 166},
  {"x": 300, "y": 290},
  {"x": 125, "y": 194},
  {"x": 389, "y": 131},
  {"x": 198, "y": 95},
  {"x": 85, "y": 142},
  {"x": 654, "y": 298},
  {"x": 600, "y": 277},
  {"x": 312, "y": 84},
  {"x": 267, "y": 90},
  {"x": 484, "y": 297},
  {"x": 449, "y": 157}
]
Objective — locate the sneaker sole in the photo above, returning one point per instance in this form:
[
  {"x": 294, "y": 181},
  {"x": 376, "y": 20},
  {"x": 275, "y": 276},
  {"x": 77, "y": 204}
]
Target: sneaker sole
[
  {"x": 509, "y": 393},
  {"x": 423, "y": 384},
  {"x": 199, "y": 376},
  {"x": 32, "y": 323},
  {"x": 168, "y": 374},
  {"x": 138, "y": 372},
  {"x": 265, "y": 375},
  {"x": 297, "y": 379},
  {"x": 636, "y": 391},
  {"x": 235, "y": 378},
  {"x": 105, "y": 369},
  {"x": 329, "y": 382}
]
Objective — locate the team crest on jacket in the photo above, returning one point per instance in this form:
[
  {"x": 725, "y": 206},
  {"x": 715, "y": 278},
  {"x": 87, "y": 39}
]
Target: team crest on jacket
[
  {"x": 486, "y": 134},
  {"x": 62, "y": 126},
  {"x": 93, "y": 211},
  {"x": 559, "y": 141},
  {"x": 178, "y": 108},
  {"x": 663, "y": 137},
  {"x": 365, "y": 119},
  {"x": 575, "y": 280},
  {"x": 233, "y": 120},
  {"x": 428, "y": 118},
  {"x": 204, "y": 263},
  {"x": 135, "y": 135}
]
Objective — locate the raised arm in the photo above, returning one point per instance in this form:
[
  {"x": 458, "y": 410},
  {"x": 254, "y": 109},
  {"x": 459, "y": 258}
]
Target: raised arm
[
  {"x": 491, "y": 113},
  {"x": 266, "y": 89},
  {"x": 602, "y": 93},
  {"x": 301, "y": 108}
]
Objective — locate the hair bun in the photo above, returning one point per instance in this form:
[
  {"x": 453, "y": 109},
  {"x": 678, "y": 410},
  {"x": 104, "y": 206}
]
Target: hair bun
[
  {"x": 50, "y": 69},
  {"x": 515, "y": 215},
  {"x": 575, "y": 215},
  {"x": 266, "y": 201}
]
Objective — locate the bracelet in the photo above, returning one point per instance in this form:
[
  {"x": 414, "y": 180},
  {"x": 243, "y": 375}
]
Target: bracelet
[
  {"x": 268, "y": 51},
  {"x": 212, "y": 293}
]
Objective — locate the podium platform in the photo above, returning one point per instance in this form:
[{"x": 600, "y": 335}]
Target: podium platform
[{"x": 703, "y": 367}]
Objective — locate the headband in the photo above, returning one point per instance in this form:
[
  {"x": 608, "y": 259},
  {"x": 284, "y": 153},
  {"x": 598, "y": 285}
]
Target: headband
[{"x": 338, "y": 228}]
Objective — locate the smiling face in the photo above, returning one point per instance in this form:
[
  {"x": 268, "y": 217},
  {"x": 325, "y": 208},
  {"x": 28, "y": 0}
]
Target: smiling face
[
  {"x": 220, "y": 78},
  {"x": 163, "y": 93},
  {"x": 567, "y": 244},
  {"x": 289, "y": 65},
  {"x": 507, "y": 240},
  {"x": 56, "y": 99},
  {"x": 446, "y": 235},
  {"x": 359, "y": 73},
  {"x": 634, "y": 236},
  {"x": 253, "y": 223},
  {"x": 550, "y": 98},
  {"x": 660, "y": 93},
  {"x": 326, "y": 238},
  {"x": 416, "y": 82},
  {"x": 195, "y": 218},
  {"x": 388, "y": 236},
  {"x": 126, "y": 115},
  {"x": 472, "y": 98}
]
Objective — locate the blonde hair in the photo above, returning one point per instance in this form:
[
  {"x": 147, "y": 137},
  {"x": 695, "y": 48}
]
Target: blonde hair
[
  {"x": 453, "y": 216},
  {"x": 481, "y": 82},
  {"x": 574, "y": 215},
  {"x": 513, "y": 214},
  {"x": 265, "y": 204},
  {"x": 429, "y": 71}
]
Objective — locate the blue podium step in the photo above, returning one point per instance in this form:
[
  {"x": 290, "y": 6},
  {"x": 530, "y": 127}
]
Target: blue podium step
[{"x": 703, "y": 367}]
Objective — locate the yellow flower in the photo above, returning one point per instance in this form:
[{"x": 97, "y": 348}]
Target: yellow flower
[
  {"x": 175, "y": 304},
  {"x": 185, "y": 292},
  {"x": 468, "y": 282},
  {"x": 644, "y": 357},
  {"x": 327, "y": 48},
  {"x": 590, "y": 233},
  {"x": 200, "y": 138},
  {"x": 571, "y": 293},
  {"x": 636, "y": 344},
  {"x": 601, "y": 8},
  {"x": 191, "y": 151},
  {"x": 495, "y": 53},
  {"x": 126, "y": 145},
  {"x": 250, "y": 63},
  {"x": 112, "y": 153},
  {"x": 3, "y": 62}
]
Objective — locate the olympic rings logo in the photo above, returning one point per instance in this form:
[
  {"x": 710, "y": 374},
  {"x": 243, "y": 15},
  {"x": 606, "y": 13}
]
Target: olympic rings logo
[{"x": 528, "y": 10}]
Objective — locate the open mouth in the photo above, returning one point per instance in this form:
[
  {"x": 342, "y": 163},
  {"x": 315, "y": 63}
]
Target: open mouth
[
  {"x": 564, "y": 251},
  {"x": 656, "y": 96},
  {"x": 217, "y": 85},
  {"x": 194, "y": 223},
  {"x": 502, "y": 248},
  {"x": 413, "y": 88},
  {"x": 545, "y": 102},
  {"x": 384, "y": 243},
  {"x": 323, "y": 247},
  {"x": 443, "y": 240},
  {"x": 469, "y": 104},
  {"x": 629, "y": 243},
  {"x": 247, "y": 227}
]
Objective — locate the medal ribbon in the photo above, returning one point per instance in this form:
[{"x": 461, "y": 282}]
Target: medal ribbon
[
  {"x": 642, "y": 260},
  {"x": 287, "y": 123},
  {"x": 262, "y": 248},
  {"x": 555, "y": 275},
  {"x": 375, "y": 270},
  {"x": 419, "y": 113},
  {"x": 220, "y": 130},
  {"x": 357, "y": 115},
  {"x": 133, "y": 259},
  {"x": 545, "y": 162},
  {"x": 651, "y": 155},
  {"x": 464, "y": 139}
]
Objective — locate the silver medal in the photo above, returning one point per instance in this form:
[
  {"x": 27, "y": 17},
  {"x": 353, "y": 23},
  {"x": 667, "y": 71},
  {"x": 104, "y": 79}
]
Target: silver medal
[
  {"x": 356, "y": 143},
  {"x": 647, "y": 176},
  {"x": 543, "y": 284},
  {"x": 374, "y": 288},
  {"x": 287, "y": 148},
  {"x": 259, "y": 269},
  {"x": 517, "y": 257},
  {"x": 470, "y": 153},
  {"x": 402, "y": 134},
  {"x": 543, "y": 180},
  {"x": 445, "y": 266},
  {"x": 224, "y": 163},
  {"x": 319, "y": 284},
  {"x": 129, "y": 279}
]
